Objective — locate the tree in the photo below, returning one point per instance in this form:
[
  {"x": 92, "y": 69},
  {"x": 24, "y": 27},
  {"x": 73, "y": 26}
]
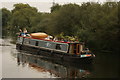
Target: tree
[
  {"x": 66, "y": 19},
  {"x": 0, "y": 23},
  {"x": 6, "y": 16},
  {"x": 0, "y": 17},
  {"x": 23, "y": 15},
  {"x": 55, "y": 7}
]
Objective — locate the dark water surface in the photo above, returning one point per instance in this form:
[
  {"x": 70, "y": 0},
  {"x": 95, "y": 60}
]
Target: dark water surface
[{"x": 19, "y": 64}]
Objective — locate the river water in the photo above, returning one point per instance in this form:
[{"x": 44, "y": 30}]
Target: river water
[{"x": 20, "y": 64}]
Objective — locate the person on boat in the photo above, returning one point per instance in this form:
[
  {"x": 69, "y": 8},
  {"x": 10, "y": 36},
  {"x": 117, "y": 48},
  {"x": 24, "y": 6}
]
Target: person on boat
[
  {"x": 20, "y": 33},
  {"x": 87, "y": 50},
  {"x": 25, "y": 32},
  {"x": 49, "y": 37},
  {"x": 65, "y": 40},
  {"x": 55, "y": 39}
]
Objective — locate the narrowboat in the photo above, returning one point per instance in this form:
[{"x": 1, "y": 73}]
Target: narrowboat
[{"x": 57, "y": 50}]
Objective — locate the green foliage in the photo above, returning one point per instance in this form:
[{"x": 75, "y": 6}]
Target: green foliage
[
  {"x": 55, "y": 7},
  {"x": 0, "y": 18},
  {"x": 66, "y": 19},
  {"x": 6, "y": 16},
  {"x": 98, "y": 25},
  {"x": 23, "y": 15},
  {"x": 0, "y": 23}
]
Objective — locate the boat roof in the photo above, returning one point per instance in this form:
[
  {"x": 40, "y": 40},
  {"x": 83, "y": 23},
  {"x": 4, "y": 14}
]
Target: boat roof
[{"x": 53, "y": 40}]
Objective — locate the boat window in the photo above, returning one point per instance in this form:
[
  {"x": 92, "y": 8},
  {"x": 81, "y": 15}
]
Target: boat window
[
  {"x": 58, "y": 46},
  {"x": 50, "y": 45},
  {"x": 26, "y": 41},
  {"x": 53, "y": 45},
  {"x": 63, "y": 47},
  {"x": 32, "y": 42},
  {"x": 40, "y": 44},
  {"x": 46, "y": 44}
]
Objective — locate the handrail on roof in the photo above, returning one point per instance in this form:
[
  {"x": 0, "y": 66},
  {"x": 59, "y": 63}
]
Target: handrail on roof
[{"x": 44, "y": 39}]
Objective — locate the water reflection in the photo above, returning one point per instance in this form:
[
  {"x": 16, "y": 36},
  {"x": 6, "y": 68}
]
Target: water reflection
[{"x": 59, "y": 69}]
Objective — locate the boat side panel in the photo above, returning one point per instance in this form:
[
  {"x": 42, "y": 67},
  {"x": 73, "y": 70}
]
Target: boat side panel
[{"x": 51, "y": 54}]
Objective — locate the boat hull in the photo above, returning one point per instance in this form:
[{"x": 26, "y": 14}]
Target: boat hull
[{"x": 53, "y": 55}]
